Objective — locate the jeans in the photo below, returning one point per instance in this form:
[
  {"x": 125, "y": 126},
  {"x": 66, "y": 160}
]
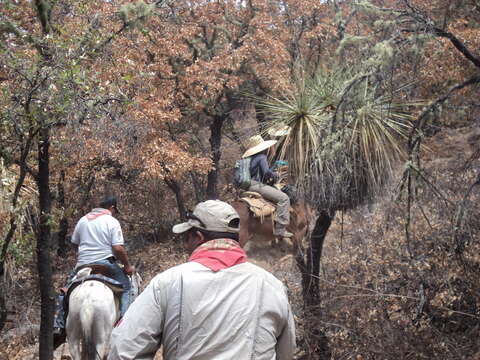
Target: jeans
[
  {"x": 116, "y": 273},
  {"x": 276, "y": 196}
]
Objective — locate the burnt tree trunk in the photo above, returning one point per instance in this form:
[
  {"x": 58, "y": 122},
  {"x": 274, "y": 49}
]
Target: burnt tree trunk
[
  {"x": 43, "y": 248},
  {"x": 215, "y": 146},
  {"x": 3, "y": 305},
  {"x": 177, "y": 190},
  {"x": 316, "y": 341},
  {"x": 310, "y": 266},
  {"x": 314, "y": 255}
]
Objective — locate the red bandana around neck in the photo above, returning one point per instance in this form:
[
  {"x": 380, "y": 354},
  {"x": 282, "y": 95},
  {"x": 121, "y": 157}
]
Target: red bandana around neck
[
  {"x": 95, "y": 213},
  {"x": 219, "y": 254}
]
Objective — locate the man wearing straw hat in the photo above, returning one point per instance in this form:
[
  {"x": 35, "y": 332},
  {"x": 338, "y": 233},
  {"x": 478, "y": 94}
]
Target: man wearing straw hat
[{"x": 261, "y": 177}]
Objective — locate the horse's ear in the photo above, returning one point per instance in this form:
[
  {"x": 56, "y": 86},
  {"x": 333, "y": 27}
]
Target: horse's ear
[{"x": 139, "y": 265}]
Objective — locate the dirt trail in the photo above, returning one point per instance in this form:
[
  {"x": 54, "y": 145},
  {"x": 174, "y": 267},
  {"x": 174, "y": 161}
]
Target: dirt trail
[{"x": 159, "y": 257}]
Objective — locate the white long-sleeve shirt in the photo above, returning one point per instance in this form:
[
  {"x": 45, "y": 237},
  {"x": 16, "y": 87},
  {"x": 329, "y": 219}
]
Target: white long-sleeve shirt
[{"x": 240, "y": 313}]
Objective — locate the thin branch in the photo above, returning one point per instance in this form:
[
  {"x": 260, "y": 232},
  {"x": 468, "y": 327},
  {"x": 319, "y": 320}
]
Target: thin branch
[
  {"x": 435, "y": 189},
  {"x": 459, "y": 45},
  {"x": 460, "y": 213},
  {"x": 378, "y": 294},
  {"x": 375, "y": 293},
  {"x": 421, "y": 120},
  {"x": 8, "y": 27},
  {"x": 429, "y": 27}
]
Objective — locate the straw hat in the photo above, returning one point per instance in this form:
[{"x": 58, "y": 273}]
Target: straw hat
[{"x": 255, "y": 144}]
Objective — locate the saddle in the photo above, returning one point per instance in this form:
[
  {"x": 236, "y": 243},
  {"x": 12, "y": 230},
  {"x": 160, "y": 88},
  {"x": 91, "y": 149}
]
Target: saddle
[
  {"x": 259, "y": 207},
  {"x": 92, "y": 272}
]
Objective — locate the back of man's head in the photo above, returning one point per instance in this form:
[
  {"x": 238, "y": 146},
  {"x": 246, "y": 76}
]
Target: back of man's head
[
  {"x": 214, "y": 218},
  {"x": 109, "y": 201}
]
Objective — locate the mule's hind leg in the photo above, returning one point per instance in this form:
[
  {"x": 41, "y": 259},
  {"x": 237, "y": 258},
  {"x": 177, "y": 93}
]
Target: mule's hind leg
[
  {"x": 103, "y": 331},
  {"x": 74, "y": 336}
]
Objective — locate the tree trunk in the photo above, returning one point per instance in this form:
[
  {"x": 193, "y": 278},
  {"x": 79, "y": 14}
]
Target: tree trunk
[
  {"x": 11, "y": 231},
  {"x": 63, "y": 226},
  {"x": 316, "y": 342},
  {"x": 199, "y": 188},
  {"x": 310, "y": 280},
  {"x": 3, "y": 305},
  {"x": 177, "y": 190},
  {"x": 86, "y": 190},
  {"x": 43, "y": 249},
  {"x": 16, "y": 195},
  {"x": 215, "y": 146}
]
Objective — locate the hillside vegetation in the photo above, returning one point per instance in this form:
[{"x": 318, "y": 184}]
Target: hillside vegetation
[{"x": 153, "y": 100}]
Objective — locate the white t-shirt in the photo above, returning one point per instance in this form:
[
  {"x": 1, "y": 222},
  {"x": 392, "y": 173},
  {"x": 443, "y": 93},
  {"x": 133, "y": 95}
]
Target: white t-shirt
[{"x": 95, "y": 234}]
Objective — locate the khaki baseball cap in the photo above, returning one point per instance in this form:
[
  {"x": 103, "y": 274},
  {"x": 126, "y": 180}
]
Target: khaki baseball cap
[{"x": 211, "y": 215}]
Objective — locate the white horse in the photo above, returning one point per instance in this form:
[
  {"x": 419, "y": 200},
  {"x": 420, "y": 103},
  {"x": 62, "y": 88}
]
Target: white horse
[{"x": 93, "y": 311}]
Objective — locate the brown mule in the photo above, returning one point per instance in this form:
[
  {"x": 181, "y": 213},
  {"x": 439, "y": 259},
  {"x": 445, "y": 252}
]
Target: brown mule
[{"x": 252, "y": 228}]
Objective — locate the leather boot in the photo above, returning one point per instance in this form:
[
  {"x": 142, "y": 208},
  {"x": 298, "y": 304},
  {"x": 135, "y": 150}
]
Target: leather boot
[
  {"x": 59, "y": 337},
  {"x": 281, "y": 231}
]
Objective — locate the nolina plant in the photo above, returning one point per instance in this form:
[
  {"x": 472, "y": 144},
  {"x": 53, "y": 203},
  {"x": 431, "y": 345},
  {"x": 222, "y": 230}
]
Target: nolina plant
[{"x": 346, "y": 133}]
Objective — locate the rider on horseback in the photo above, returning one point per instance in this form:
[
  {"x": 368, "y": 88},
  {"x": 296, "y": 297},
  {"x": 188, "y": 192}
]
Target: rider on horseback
[
  {"x": 99, "y": 240},
  {"x": 262, "y": 179}
]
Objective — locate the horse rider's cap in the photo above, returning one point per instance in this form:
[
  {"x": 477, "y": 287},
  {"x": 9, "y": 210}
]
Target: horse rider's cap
[
  {"x": 255, "y": 144},
  {"x": 211, "y": 215}
]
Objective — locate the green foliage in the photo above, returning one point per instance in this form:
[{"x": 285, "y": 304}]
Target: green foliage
[
  {"x": 135, "y": 13},
  {"x": 383, "y": 54},
  {"x": 368, "y": 7},
  {"x": 49, "y": 80},
  {"x": 21, "y": 248},
  {"x": 351, "y": 40}
]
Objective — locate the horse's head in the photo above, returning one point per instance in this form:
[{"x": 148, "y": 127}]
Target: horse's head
[{"x": 136, "y": 281}]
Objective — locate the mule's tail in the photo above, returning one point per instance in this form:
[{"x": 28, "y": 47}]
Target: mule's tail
[{"x": 89, "y": 351}]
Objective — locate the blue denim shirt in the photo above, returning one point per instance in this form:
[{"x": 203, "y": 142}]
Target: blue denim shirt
[{"x": 259, "y": 169}]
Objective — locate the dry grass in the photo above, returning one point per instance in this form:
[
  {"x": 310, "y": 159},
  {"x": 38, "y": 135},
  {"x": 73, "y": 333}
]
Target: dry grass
[{"x": 384, "y": 297}]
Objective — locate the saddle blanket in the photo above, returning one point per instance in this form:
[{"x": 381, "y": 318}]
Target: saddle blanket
[
  {"x": 114, "y": 285},
  {"x": 258, "y": 205}
]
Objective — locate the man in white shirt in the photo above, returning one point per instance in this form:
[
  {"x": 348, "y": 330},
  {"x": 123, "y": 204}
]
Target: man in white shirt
[
  {"x": 99, "y": 240},
  {"x": 216, "y": 306}
]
